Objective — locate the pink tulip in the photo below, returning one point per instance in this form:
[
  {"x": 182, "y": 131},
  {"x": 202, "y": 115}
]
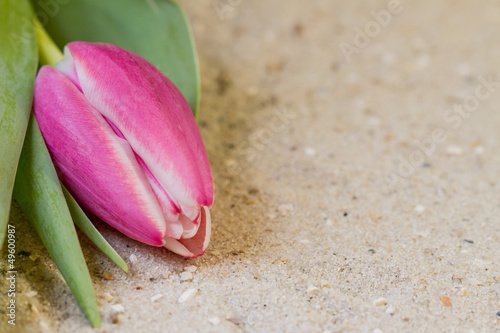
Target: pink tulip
[{"x": 126, "y": 145}]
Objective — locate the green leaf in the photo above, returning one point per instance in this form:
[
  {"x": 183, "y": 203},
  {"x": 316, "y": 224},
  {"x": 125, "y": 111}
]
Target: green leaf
[
  {"x": 156, "y": 30},
  {"x": 83, "y": 222},
  {"x": 38, "y": 192},
  {"x": 18, "y": 63}
]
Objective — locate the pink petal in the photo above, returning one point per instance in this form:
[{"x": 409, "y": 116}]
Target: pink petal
[{"x": 98, "y": 167}]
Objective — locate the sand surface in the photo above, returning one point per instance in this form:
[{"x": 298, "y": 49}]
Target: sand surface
[{"x": 354, "y": 194}]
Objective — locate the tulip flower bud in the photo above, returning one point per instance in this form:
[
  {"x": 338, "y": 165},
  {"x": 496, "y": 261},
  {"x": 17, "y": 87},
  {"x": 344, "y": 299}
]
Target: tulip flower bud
[{"x": 126, "y": 145}]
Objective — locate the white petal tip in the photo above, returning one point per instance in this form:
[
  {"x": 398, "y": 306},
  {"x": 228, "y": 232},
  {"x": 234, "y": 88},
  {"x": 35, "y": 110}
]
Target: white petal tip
[{"x": 195, "y": 246}]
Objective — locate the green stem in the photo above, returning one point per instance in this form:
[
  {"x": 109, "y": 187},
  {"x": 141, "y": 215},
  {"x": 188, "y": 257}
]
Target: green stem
[{"x": 48, "y": 51}]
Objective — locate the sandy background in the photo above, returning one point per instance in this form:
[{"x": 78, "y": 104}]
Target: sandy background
[{"x": 318, "y": 224}]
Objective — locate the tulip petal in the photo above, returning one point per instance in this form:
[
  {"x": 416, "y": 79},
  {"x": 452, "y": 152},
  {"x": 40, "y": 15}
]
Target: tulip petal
[
  {"x": 195, "y": 246},
  {"x": 147, "y": 108},
  {"x": 98, "y": 167},
  {"x": 67, "y": 67}
]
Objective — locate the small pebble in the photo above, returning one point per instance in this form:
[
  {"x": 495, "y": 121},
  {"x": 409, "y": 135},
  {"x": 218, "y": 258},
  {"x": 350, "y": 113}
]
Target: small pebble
[
  {"x": 156, "y": 297},
  {"x": 238, "y": 321},
  {"x": 304, "y": 241},
  {"x": 312, "y": 289},
  {"x": 372, "y": 251},
  {"x": 186, "y": 276},
  {"x": 216, "y": 253},
  {"x": 380, "y": 301},
  {"x": 117, "y": 308},
  {"x": 375, "y": 217},
  {"x": 108, "y": 276},
  {"x": 188, "y": 295},
  {"x": 191, "y": 268},
  {"x": 34, "y": 309},
  {"x": 463, "y": 292},
  {"x": 419, "y": 208},
  {"x": 271, "y": 216},
  {"x": 214, "y": 320},
  {"x": 423, "y": 234},
  {"x": 469, "y": 241},
  {"x": 298, "y": 28},
  {"x": 275, "y": 67},
  {"x": 165, "y": 275},
  {"x": 329, "y": 222},
  {"x": 133, "y": 259},
  {"x": 446, "y": 301},
  {"x": 34, "y": 257},
  {"x": 325, "y": 284},
  {"x": 310, "y": 151},
  {"x": 498, "y": 313},
  {"x": 108, "y": 297},
  {"x": 390, "y": 309},
  {"x": 454, "y": 150},
  {"x": 479, "y": 150},
  {"x": 31, "y": 293}
]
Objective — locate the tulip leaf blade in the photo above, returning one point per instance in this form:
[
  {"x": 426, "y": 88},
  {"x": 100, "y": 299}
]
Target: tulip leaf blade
[
  {"x": 39, "y": 193},
  {"x": 18, "y": 64},
  {"x": 159, "y": 31},
  {"x": 84, "y": 224}
]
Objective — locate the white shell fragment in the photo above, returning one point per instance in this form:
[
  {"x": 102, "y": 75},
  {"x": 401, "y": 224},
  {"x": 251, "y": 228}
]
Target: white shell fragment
[
  {"x": 108, "y": 297},
  {"x": 118, "y": 308},
  {"x": 186, "y": 276},
  {"x": 156, "y": 297},
  {"x": 380, "y": 301},
  {"x": 191, "y": 268},
  {"x": 214, "y": 320},
  {"x": 312, "y": 289},
  {"x": 133, "y": 259},
  {"x": 188, "y": 295}
]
